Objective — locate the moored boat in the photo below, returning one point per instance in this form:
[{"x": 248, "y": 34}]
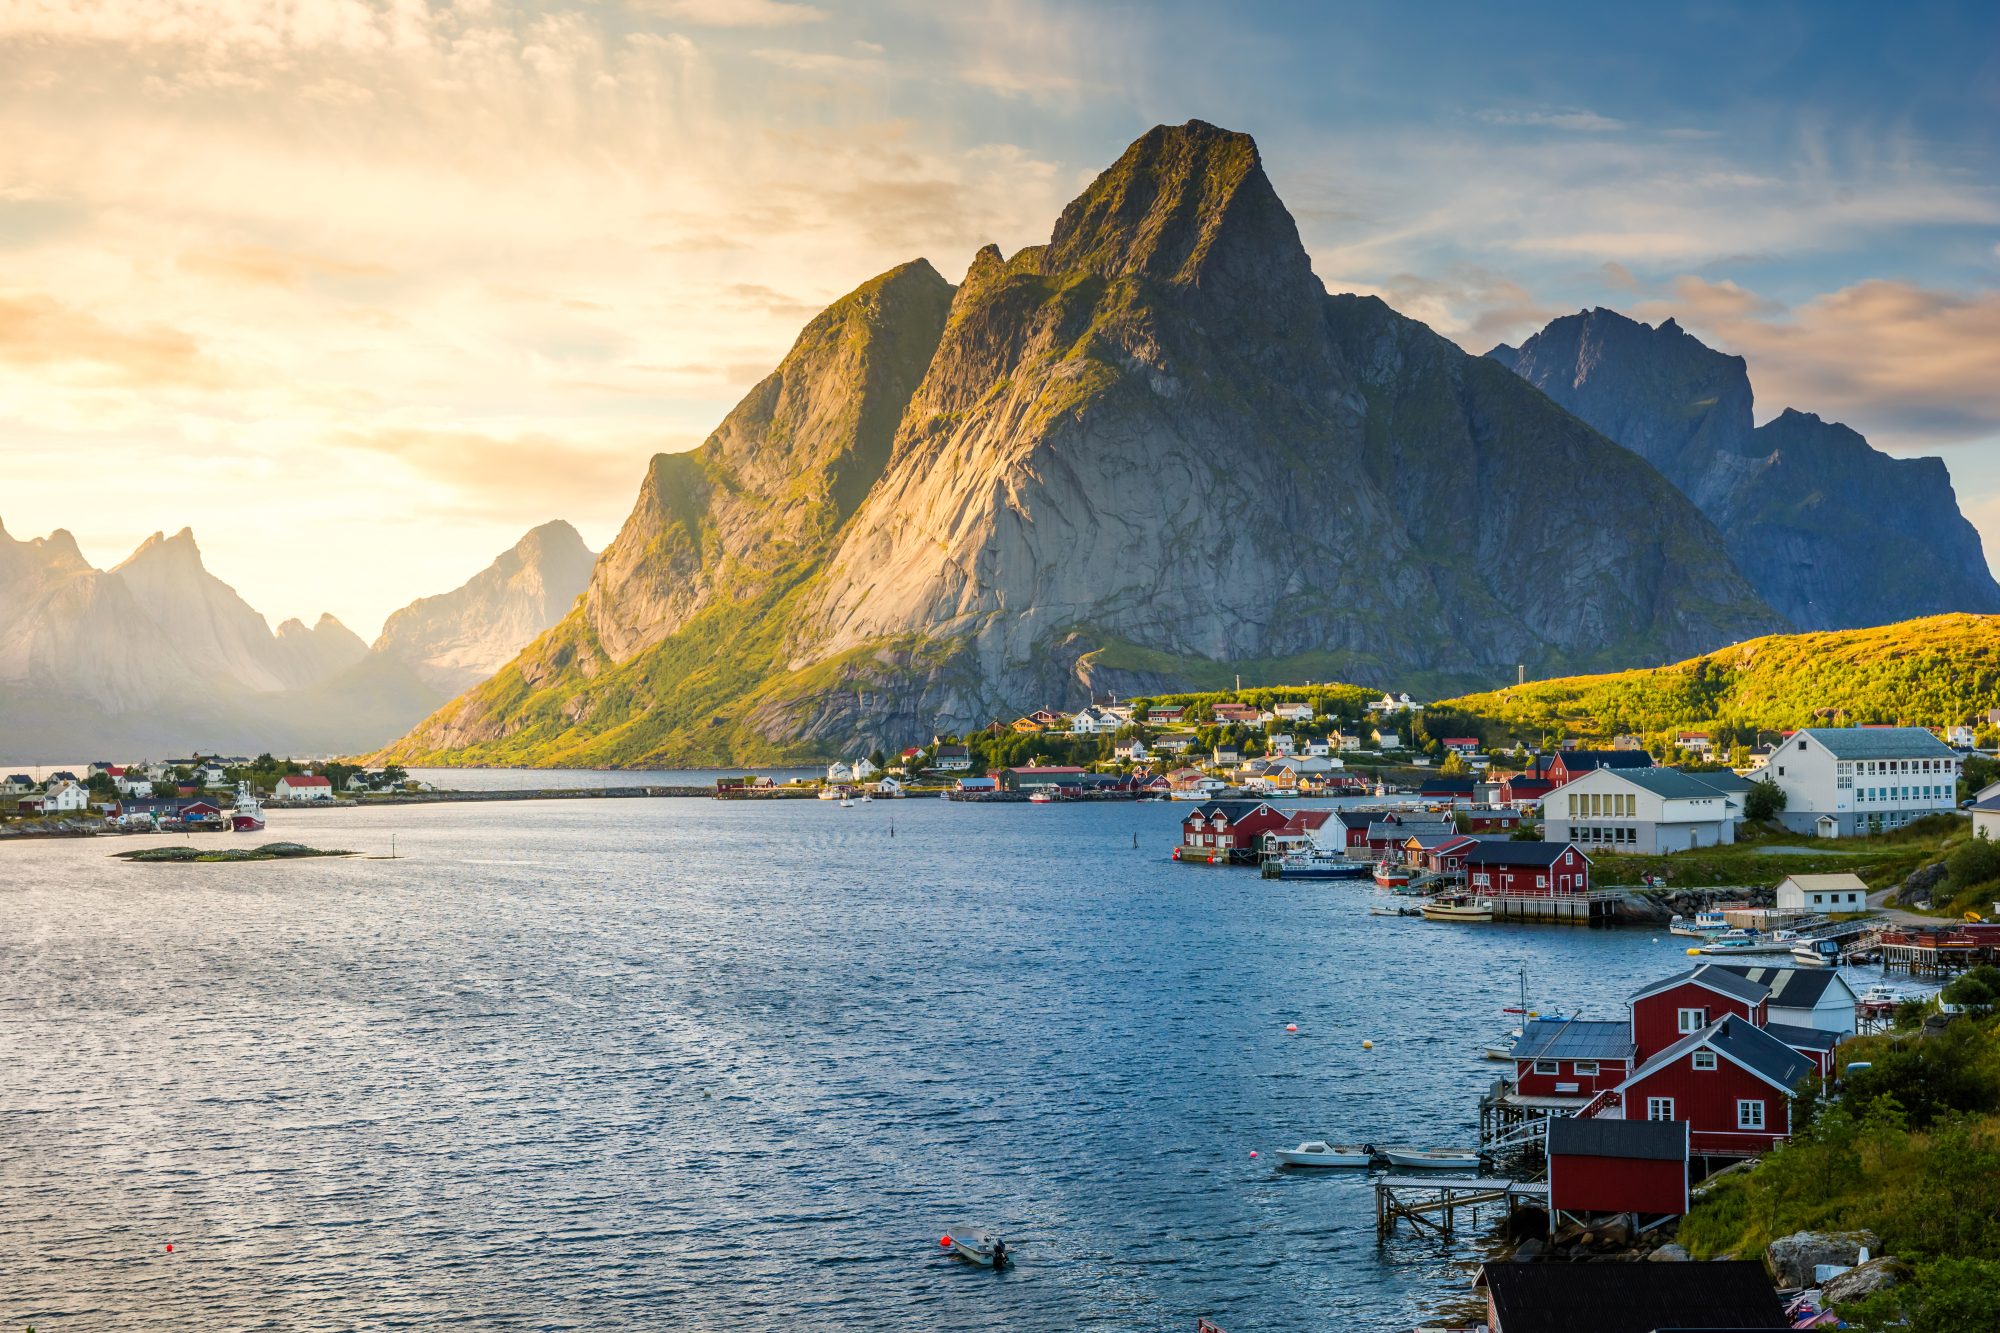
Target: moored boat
[
  {"x": 976, "y": 1246},
  {"x": 1317, "y": 1152},
  {"x": 247, "y": 815},
  {"x": 1433, "y": 1159},
  {"x": 1817, "y": 953},
  {"x": 1390, "y": 877},
  {"x": 1458, "y": 907}
]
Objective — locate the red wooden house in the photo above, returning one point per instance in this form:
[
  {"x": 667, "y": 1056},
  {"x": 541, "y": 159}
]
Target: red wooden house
[
  {"x": 1489, "y": 819},
  {"x": 1731, "y": 1081},
  {"x": 1527, "y": 869},
  {"x": 1229, "y": 826},
  {"x": 1355, "y": 824},
  {"x": 1569, "y": 765},
  {"x": 1563, "y": 1064},
  {"x": 1448, "y": 856},
  {"x": 1666, "y": 1011},
  {"x": 1618, "y": 1166},
  {"x": 1523, "y": 790}
]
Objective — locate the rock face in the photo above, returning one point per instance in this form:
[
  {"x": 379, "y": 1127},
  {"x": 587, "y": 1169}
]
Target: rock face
[
  {"x": 1150, "y": 450},
  {"x": 308, "y": 656},
  {"x": 1792, "y": 1258},
  {"x": 1864, "y": 1280},
  {"x": 1833, "y": 533},
  {"x": 457, "y": 639}
]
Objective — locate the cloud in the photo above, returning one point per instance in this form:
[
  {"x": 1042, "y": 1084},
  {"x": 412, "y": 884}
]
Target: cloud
[
  {"x": 1574, "y": 119},
  {"x": 1473, "y": 306},
  {"x": 530, "y": 472},
  {"x": 822, "y": 62},
  {"x": 258, "y": 264},
  {"x": 1619, "y": 276},
  {"x": 39, "y": 333},
  {"x": 733, "y": 13}
]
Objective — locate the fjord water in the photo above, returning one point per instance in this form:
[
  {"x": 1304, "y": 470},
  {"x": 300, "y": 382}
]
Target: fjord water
[{"x": 729, "y": 1064}]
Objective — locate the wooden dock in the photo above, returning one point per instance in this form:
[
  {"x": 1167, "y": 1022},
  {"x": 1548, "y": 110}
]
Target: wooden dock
[{"x": 1431, "y": 1204}]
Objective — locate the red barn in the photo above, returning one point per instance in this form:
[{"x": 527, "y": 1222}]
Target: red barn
[
  {"x": 1666, "y": 1011},
  {"x": 1732, "y": 1082},
  {"x": 1229, "y": 826},
  {"x": 1564, "y": 1064},
  {"x": 1618, "y": 1166},
  {"x": 1527, "y": 869}
]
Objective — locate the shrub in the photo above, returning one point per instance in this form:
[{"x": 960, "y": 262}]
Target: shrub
[
  {"x": 1763, "y": 801},
  {"x": 1973, "y": 862}
]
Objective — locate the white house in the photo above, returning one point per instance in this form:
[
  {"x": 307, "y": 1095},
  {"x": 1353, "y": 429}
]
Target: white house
[
  {"x": 1986, "y": 820},
  {"x": 1225, "y": 756},
  {"x": 888, "y": 787},
  {"x": 1318, "y": 747},
  {"x": 1284, "y": 744},
  {"x": 65, "y": 798},
  {"x": 1172, "y": 744},
  {"x": 1644, "y": 810},
  {"x": 211, "y": 776},
  {"x": 1694, "y": 742},
  {"x": 1387, "y": 740},
  {"x": 128, "y": 785},
  {"x": 303, "y": 787},
  {"x": 1342, "y": 740},
  {"x": 1822, "y": 893},
  {"x": 1395, "y": 703},
  {"x": 1293, "y": 712},
  {"x": 951, "y": 759},
  {"x": 1961, "y": 737},
  {"x": 1804, "y": 997},
  {"x": 1094, "y": 721},
  {"x": 1843, "y": 781},
  {"x": 1131, "y": 750},
  {"x": 839, "y": 772},
  {"x": 863, "y": 769}
]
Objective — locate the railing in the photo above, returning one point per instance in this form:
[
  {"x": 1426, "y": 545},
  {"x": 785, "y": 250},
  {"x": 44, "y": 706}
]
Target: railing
[{"x": 1601, "y": 1106}]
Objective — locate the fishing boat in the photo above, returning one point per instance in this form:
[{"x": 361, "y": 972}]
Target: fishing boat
[
  {"x": 246, "y": 816},
  {"x": 1699, "y": 926},
  {"x": 1316, "y": 867},
  {"x": 1458, "y": 907},
  {"x": 1316, "y": 1152},
  {"x": 1817, "y": 953},
  {"x": 1433, "y": 1159},
  {"x": 976, "y": 1246},
  {"x": 833, "y": 793},
  {"x": 1041, "y": 798},
  {"x": 1390, "y": 877}
]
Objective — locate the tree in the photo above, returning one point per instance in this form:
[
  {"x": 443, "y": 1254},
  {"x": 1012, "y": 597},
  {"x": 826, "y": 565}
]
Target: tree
[
  {"x": 1454, "y": 765},
  {"x": 1973, "y": 862},
  {"x": 1763, "y": 801}
]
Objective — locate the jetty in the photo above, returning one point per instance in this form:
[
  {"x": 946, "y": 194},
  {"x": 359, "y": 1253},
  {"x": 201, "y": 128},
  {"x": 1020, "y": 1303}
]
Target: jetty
[{"x": 1433, "y": 1204}]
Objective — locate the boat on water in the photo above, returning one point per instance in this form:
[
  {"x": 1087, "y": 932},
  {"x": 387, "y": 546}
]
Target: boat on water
[
  {"x": 1318, "y": 867},
  {"x": 1817, "y": 953},
  {"x": 1739, "y": 940},
  {"x": 1317, "y": 1152},
  {"x": 1390, "y": 877},
  {"x": 1041, "y": 798},
  {"x": 1883, "y": 997},
  {"x": 1699, "y": 926},
  {"x": 1504, "y": 1050},
  {"x": 1433, "y": 1159},
  {"x": 978, "y": 1247},
  {"x": 1379, "y": 909},
  {"x": 833, "y": 793},
  {"x": 247, "y": 815},
  {"x": 1459, "y": 907}
]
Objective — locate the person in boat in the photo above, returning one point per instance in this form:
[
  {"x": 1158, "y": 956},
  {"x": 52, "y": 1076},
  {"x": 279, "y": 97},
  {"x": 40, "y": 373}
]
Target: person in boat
[{"x": 999, "y": 1253}]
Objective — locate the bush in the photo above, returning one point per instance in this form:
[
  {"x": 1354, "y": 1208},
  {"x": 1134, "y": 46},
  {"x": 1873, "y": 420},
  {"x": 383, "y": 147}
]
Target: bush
[
  {"x": 1930, "y": 1077},
  {"x": 1763, "y": 801},
  {"x": 1974, "y": 862},
  {"x": 1978, "y": 991}
]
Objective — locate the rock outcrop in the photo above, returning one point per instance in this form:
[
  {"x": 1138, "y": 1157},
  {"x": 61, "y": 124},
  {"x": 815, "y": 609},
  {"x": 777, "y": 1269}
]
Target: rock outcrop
[
  {"x": 1792, "y": 1258},
  {"x": 1833, "y": 533},
  {"x": 1151, "y": 449},
  {"x": 456, "y": 639}
]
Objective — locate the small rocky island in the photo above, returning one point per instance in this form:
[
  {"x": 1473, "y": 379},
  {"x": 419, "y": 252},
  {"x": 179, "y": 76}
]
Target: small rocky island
[{"x": 270, "y": 851}]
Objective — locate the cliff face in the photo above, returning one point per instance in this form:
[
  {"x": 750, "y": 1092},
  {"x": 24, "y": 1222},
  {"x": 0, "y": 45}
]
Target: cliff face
[
  {"x": 1150, "y": 449},
  {"x": 456, "y": 639},
  {"x": 1833, "y": 533}
]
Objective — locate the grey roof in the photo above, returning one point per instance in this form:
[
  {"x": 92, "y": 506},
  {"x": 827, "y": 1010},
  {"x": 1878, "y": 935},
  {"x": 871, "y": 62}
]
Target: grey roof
[
  {"x": 1577, "y": 1039},
  {"x": 1401, "y": 829},
  {"x": 1577, "y": 761},
  {"x": 1804, "y": 1039},
  {"x": 1724, "y": 780},
  {"x": 1672, "y": 783},
  {"x": 1233, "y": 811},
  {"x": 1632, "y": 1298},
  {"x": 1790, "y": 987},
  {"x": 1647, "y": 1140},
  {"x": 1880, "y": 742},
  {"x": 1728, "y": 980},
  {"x": 1507, "y": 852},
  {"x": 1745, "y": 1043}
]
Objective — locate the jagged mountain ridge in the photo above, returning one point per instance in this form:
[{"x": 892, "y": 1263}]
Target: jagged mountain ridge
[
  {"x": 456, "y": 639},
  {"x": 1149, "y": 448},
  {"x": 1832, "y": 532}
]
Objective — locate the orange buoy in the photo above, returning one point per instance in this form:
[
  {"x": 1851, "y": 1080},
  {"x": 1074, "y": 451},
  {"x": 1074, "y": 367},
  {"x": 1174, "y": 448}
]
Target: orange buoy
[
  {"x": 945, "y": 1241},
  {"x": 1253, "y": 1152},
  {"x": 1291, "y": 1027},
  {"x": 170, "y": 1247}
]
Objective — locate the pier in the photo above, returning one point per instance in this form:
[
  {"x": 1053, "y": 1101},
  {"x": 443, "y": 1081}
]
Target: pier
[{"x": 1432, "y": 1204}]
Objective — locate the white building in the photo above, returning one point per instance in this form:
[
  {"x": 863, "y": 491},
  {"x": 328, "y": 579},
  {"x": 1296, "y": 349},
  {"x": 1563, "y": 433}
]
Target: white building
[
  {"x": 1694, "y": 742},
  {"x": 1131, "y": 749},
  {"x": 65, "y": 798},
  {"x": 1986, "y": 820},
  {"x": 1094, "y": 721},
  {"x": 951, "y": 758},
  {"x": 1395, "y": 703},
  {"x": 1643, "y": 810},
  {"x": 1343, "y": 740},
  {"x": 1284, "y": 744},
  {"x": 1318, "y": 747},
  {"x": 839, "y": 772},
  {"x": 1822, "y": 893},
  {"x": 1804, "y": 997},
  {"x": 1387, "y": 740},
  {"x": 303, "y": 787},
  {"x": 1293, "y": 712},
  {"x": 1961, "y": 737},
  {"x": 1843, "y": 781},
  {"x": 863, "y": 769}
]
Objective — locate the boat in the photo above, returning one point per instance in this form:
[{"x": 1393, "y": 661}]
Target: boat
[
  {"x": 1378, "y": 909},
  {"x": 1817, "y": 953},
  {"x": 833, "y": 793},
  {"x": 1389, "y": 876},
  {"x": 1041, "y": 798},
  {"x": 976, "y": 1246},
  {"x": 846, "y": 803},
  {"x": 1504, "y": 1050},
  {"x": 1701, "y": 925},
  {"x": 1458, "y": 908},
  {"x": 1433, "y": 1159},
  {"x": 1738, "y": 940},
  {"x": 1318, "y": 867},
  {"x": 1317, "y": 1152},
  {"x": 246, "y": 816},
  {"x": 1883, "y": 997}
]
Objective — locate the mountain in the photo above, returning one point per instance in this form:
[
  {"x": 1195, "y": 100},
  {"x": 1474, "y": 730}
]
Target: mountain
[
  {"x": 157, "y": 655},
  {"x": 1936, "y": 671},
  {"x": 1149, "y": 451},
  {"x": 1830, "y": 531},
  {"x": 457, "y": 639}
]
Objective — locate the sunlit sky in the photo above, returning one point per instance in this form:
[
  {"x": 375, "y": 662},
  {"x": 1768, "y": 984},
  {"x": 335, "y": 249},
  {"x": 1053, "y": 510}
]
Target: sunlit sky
[{"x": 361, "y": 291}]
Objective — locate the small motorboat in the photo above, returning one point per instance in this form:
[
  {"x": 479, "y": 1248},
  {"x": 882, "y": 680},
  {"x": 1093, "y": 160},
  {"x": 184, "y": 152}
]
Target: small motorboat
[
  {"x": 1504, "y": 1050},
  {"x": 1816, "y": 953},
  {"x": 978, "y": 1247},
  {"x": 1377, "y": 909},
  {"x": 1041, "y": 798},
  {"x": 1458, "y": 908},
  {"x": 1316, "y": 1152},
  {"x": 1433, "y": 1159},
  {"x": 846, "y": 804},
  {"x": 1701, "y": 925}
]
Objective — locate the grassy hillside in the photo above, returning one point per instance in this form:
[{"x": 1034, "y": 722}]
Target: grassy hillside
[{"x": 1941, "y": 670}]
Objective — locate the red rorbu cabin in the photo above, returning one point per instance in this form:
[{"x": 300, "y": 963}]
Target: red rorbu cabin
[
  {"x": 1618, "y": 1166},
  {"x": 1562, "y": 1064},
  {"x": 1666, "y": 1011},
  {"x": 1527, "y": 869},
  {"x": 1732, "y": 1082}
]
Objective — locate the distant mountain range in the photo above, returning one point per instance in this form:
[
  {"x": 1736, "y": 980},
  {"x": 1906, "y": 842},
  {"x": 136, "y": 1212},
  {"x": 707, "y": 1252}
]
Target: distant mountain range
[
  {"x": 1832, "y": 533},
  {"x": 158, "y": 656},
  {"x": 1149, "y": 453}
]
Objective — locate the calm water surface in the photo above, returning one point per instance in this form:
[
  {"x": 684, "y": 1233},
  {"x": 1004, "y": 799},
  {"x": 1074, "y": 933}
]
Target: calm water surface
[{"x": 728, "y": 1065}]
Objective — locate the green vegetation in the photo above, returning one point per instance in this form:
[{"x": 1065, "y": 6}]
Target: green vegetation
[
  {"x": 270, "y": 851},
  {"x": 1881, "y": 860},
  {"x": 1938, "y": 671},
  {"x": 1909, "y": 1149}
]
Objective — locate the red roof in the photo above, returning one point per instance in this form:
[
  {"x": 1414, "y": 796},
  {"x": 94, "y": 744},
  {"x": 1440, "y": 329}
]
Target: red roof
[
  {"x": 1303, "y": 821},
  {"x": 305, "y": 780},
  {"x": 1039, "y": 772},
  {"x": 1461, "y": 740}
]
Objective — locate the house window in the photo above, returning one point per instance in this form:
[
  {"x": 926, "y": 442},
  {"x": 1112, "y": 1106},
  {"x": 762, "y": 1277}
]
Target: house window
[
  {"x": 1659, "y": 1108},
  {"x": 1586, "y": 1069},
  {"x": 1693, "y": 1020},
  {"x": 1749, "y": 1114},
  {"x": 1547, "y": 1067},
  {"x": 1704, "y": 1059}
]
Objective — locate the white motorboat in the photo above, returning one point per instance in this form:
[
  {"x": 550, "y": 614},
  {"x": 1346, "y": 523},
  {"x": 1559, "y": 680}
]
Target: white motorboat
[
  {"x": 1504, "y": 1050},
  {"x": 1458, "y": 909},
  {"x": 1433, "y": 1159},
  {"x": 1816, "y": 953},
  {"x": 1703, "y": 924},
  {"x": 976, "y": 1246},
  {"x": 1885, "y": 996},
  {"x": 1316, "y": 1152}
]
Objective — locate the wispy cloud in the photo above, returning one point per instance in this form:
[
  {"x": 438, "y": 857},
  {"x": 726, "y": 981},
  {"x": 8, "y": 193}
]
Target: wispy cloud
[
  {"x": 1574, "y": 119},
  {"x": 41, "y": 334},
  {"x": 733, "y": 13}
]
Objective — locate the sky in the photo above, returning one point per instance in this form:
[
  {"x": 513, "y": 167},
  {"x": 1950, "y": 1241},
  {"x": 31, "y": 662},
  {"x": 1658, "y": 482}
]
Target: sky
[{"x": 361, "y": 290}]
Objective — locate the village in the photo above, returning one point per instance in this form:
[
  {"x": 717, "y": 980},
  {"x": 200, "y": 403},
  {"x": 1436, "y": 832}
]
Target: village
[{"x": 196, "y": 794}]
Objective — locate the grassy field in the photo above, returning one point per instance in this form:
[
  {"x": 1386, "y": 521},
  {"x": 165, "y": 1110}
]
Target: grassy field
[{"x": 1770, "y": 856}]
